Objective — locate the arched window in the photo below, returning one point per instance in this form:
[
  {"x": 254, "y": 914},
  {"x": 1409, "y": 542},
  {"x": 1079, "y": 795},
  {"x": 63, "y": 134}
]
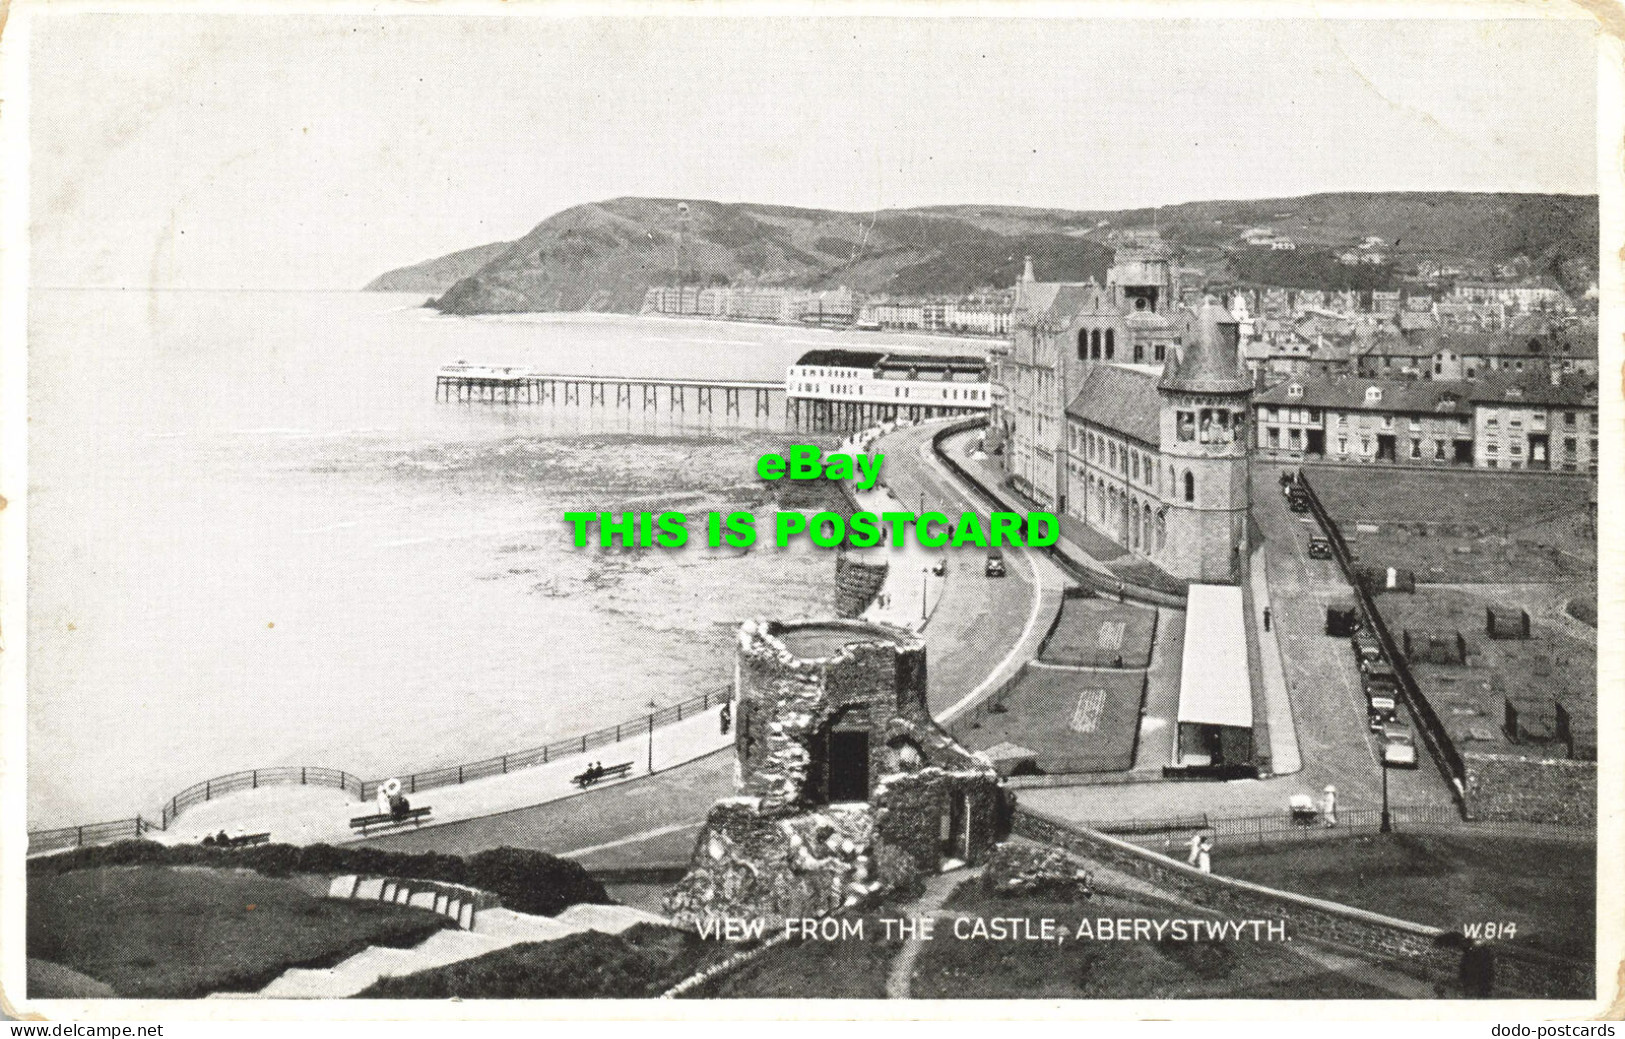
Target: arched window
[
  {"x": 1162, "y": 531},
  {"x": 1094, "y": 344},
  {"x": 1134, "y": 523},
  {"x": 1145, "y": 526},
  {"x": 1083, "y": 343},
  {"x": 1111, "y": 347},
  {"x": 1190, "y": 486}
]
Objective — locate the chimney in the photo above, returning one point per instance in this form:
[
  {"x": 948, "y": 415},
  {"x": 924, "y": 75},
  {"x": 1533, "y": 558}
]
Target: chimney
[{"x": 1027, "y": 272}]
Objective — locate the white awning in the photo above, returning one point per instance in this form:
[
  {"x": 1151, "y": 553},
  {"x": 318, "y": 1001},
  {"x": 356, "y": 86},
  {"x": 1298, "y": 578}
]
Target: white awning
[{"x": 1215, "y": 687}]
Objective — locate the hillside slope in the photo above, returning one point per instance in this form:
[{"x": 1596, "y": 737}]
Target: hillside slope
[
  {"x": 605, "y": 255},
  {"x": 439, "y": 274}
]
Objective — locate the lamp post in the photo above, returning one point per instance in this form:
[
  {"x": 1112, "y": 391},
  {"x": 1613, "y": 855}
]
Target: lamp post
[
  {"x": 1387, "y": 821},
  {"x": 651, "y": 737},
  {"x": 925, "y": 582}
]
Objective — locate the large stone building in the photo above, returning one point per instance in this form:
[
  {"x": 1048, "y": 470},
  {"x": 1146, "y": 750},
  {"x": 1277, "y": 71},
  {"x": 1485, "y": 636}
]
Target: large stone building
[
  {"x": 846, "y": 785},
  {"x": 1122, "y": 411}
]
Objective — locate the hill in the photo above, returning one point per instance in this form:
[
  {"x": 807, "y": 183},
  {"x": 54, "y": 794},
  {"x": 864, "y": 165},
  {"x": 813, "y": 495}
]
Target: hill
[
  {"x": 605, "y": 255},
  {"x": 439, "y": 274}
]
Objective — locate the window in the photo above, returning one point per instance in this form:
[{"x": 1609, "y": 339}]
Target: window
[
  {"x": 1516, "y": 447},
  {"x": 1083, "y": 344},
  {"x": 1294, "y": 438},
  {"x": 1438, "y": 450},
  {"x": 1416, "y": 447},
  {"x": 1185, "y": 422},
  {"x": 1570, "y": 446},
  {"x": 1139, "y": 353},
  {"x": 1274, "y": 436},
  {"x": 1314, "y": 414},
  {"x": 1373, "y": 394},
  {"x": 1294, "y": 391},
  {"x": 1568, "y": 420},
  {"x": 1111, "y": 346},
  {"x": 1342, "y": 445},
  {"x": 1094, "y": 344},
  {"x": 1415, "y": 424},
  {"x": 1190, "y": 486},
  {"x": 1136, "y": 465}
]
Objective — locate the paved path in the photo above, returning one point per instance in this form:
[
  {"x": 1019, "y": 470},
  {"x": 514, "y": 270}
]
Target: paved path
[
  {"x": 900, "y": 978},
  {"x": 1284, "y": 757},
  {"x": 304, "y": 815}
]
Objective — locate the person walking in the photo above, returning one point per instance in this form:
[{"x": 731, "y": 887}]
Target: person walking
[
  {"x": 1328, "y": 806},
  {"x": 1196, "y": 849},
  {"x": 1204, "y": 855},
  {"x": 727, "y": 717}
]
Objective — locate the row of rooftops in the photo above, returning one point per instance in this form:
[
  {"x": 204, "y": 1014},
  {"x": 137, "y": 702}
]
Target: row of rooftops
[
  {"x": 882, "y": 362},
  {"x": 1430, "y": 396}
]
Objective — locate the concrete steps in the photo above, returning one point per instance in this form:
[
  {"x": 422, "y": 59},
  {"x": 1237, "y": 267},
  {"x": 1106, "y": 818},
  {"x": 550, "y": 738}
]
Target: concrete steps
[{"x": 490, "y": 929}]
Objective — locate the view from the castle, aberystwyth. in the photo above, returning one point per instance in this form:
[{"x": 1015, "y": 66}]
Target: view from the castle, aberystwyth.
[{"x": 929, "y": 506}]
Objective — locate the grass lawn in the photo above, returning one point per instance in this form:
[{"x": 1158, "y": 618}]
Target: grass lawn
[
  {"x": 1096, "y": 632},
  {"x": 640, "y": 963},
  {"x": 182, "y": 932},
  {"x": 1463, "y": 527},
  {"x": 843, "y": 969},
  {"x": 1076, "y": 721},
  {"x": 1446, "y": 881},
  {"x": 953, "y": 968}
]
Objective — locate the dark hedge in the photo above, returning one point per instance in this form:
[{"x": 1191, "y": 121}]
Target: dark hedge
[{"x": 525, "y": 881}]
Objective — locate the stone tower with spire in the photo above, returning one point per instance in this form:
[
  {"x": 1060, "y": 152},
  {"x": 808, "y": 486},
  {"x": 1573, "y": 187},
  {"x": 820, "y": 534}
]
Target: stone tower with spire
[{"x": 1205, "y": 399}]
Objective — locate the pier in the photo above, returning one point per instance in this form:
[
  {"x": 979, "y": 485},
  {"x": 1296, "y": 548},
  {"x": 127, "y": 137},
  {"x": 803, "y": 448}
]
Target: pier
[
  {"x": 487, "y": 384},
  {"x": 493, "y": 385}
]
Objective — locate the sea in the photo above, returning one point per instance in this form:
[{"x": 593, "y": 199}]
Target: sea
[{"x": 255, "y": 537}]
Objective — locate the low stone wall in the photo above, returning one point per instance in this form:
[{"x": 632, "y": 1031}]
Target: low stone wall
[
  {"x": 1430, "y": 952},
  {"x": 857, "y": 582},
  {"x": 1511, "y": 787}
]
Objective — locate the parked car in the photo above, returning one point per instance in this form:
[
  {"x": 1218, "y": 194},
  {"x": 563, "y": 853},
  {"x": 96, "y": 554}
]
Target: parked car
[
  {"x": 1398, "y": 747},
  {"x": 1320, "y": 548},
  {"x": 1288, "y": 478},
  {"x": 940, "y": 567},
  {"x": 1380, "y": 711},
  {"x": 1378, "y": 673},
  {"x": 995, "y": 563},
  {"x": 1297, "y": 503},
  {"x": 1366, "y": 646}
]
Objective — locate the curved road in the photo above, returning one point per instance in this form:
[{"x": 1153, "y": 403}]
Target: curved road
[{"x": 980, "y": 631}]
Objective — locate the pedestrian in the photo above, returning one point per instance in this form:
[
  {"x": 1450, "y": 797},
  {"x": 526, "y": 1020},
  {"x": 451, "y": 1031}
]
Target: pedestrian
[
  {"x": 1196, "y": 849},
  {"x": 727, "y": 717},
  {"x": 1328, "y": 806},
  {"x": 1204, "y": 855},
  {"x": 1266, "y": 618},
  {"x": 1121, "y": 588}
]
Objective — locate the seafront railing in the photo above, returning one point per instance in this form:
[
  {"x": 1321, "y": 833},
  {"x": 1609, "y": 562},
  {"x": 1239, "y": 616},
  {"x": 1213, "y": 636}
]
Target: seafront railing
[{"x": 366, "y": 789}]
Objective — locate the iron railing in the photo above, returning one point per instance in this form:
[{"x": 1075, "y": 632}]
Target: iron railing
[
  {"x": 366, "y": 789},
  {"x": 1171, "y": 834}
]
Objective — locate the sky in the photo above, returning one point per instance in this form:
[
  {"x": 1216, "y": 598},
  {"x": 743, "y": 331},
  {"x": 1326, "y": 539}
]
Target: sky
[{"x": 294, "y": 151}]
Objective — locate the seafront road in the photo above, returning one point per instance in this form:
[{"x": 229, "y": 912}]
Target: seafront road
[{"x": 980, "y": 631}]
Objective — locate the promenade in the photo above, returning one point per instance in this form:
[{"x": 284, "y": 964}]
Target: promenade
[{"x": 979, "y": 631}]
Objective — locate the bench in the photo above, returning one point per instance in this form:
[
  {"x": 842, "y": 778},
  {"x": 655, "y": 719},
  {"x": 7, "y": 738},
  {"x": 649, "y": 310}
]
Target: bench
[
  {"x": 587, "y": 779},
  {"x": 414, "y": 816}
]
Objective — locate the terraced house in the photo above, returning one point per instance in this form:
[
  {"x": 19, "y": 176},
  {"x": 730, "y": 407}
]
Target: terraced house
[{"x": 1498, "y": 421}]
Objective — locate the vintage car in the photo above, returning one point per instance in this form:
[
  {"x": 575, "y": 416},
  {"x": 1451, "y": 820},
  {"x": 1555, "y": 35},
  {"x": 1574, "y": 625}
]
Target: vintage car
[
  {"x": 995, "y": 563},
  {"x": 1398, "y": 746},
  {"x": 1366, "y": 646},
  {"x": 940, "y": 567},
  {"x": 1380, "y": 711},
  {"x": 1320, "y": 548}
]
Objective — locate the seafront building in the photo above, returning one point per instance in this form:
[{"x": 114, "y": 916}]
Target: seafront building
[{"x": 873, "y": 386}]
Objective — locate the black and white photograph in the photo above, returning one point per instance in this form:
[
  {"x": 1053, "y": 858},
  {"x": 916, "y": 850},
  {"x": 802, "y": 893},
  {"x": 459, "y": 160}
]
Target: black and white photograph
[{"x": 1095, "y": 508}]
